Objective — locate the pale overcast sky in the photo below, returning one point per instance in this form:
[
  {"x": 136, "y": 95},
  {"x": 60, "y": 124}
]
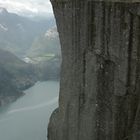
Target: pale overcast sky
[{"x": 28, "y": 7}]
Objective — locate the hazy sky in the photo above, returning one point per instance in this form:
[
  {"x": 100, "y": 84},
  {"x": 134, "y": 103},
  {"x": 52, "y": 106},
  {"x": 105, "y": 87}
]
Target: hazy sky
[{"x": 28, "y": 7}]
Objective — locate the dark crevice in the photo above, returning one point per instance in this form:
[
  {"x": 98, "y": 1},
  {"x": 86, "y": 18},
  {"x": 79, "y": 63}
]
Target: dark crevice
[
  {"x": 108, "y": 29},
  {"x": 91, "y": 26},
  {"x": 138, "y": 59},
  {"x": 105, "y": 84},
  {"x": 103, "y": 28},
  {"x": 82, "y": 95},
  {"x": 130, "y": 46}
]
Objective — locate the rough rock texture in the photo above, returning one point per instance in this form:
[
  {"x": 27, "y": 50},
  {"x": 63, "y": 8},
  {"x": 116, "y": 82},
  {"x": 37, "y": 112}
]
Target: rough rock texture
[{"x": 100, "y": 78}]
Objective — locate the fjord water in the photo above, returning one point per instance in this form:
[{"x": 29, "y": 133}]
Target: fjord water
[{"x": 28, "y": 117}]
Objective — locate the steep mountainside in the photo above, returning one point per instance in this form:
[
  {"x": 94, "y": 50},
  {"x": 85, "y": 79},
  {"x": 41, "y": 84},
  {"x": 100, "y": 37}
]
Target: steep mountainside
[
  {"x": 15, "y": 76},
  {"x": 8, "y": 91},
  {"x": 22, "y": 73},
  {"x": 100, "y": 78},
  {"x": 17, "y": 33},
  {"x": 46, "y": 44},
  {"x": 48, "y": 69},
  {"x": 45, "y": 54}
]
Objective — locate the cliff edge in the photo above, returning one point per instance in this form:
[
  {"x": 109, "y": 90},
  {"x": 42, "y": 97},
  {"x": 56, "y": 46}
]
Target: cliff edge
[{"x": 100, "y": 77}]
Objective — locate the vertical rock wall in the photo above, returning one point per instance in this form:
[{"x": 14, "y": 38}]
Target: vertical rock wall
[{"x": 100, "y": 78}]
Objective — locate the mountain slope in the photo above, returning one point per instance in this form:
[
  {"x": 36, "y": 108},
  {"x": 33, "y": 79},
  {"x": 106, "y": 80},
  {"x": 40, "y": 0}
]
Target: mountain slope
[
  {"x": 15, "y": 76},
  {"x": 45, "y": 53},
  {"x": 23, "y": 73},
  {"x": 8, "y": 91},
  {"x": 46, "y": 44},
  {"x": 17, "y": 33}
]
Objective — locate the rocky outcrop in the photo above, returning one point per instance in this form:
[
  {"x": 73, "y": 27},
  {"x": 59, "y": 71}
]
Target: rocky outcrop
[{"x": 100, "y": 78}]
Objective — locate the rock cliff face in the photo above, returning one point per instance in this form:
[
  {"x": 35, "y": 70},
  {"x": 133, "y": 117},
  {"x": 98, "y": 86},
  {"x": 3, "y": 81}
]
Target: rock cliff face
[{"x": 100, "y": 78}]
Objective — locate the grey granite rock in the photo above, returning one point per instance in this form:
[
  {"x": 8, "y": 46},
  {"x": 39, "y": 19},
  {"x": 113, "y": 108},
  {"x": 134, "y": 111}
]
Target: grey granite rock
[{"x": 100, "y": 77}]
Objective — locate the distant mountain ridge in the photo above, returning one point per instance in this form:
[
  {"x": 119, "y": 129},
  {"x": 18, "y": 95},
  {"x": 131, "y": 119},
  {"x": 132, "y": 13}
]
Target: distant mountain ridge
[{"x": 17, "y": 33}]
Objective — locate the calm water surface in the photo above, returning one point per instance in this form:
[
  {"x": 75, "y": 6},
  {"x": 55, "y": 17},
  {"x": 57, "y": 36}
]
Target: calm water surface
[{"x": 27, "y": 118}]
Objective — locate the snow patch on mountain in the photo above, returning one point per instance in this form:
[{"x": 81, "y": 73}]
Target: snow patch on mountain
[
  {"x": 3, "y": 28},
  {"x": 51, "y": 33}
]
